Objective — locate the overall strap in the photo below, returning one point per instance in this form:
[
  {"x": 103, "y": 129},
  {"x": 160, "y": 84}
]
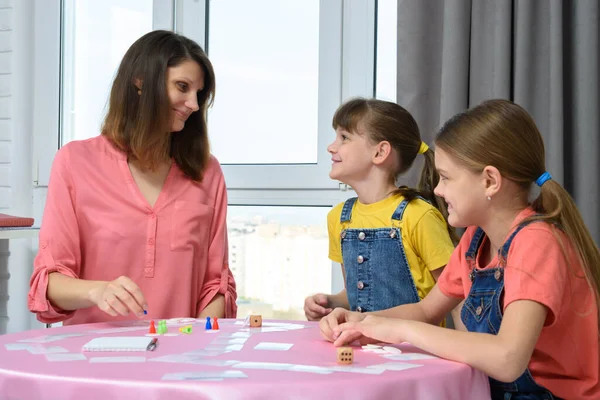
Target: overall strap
[{"x": 347, "y": 210}]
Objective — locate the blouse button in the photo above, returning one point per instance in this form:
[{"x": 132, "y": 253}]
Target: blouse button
[
  {"x": 360, "y": 285},
  {"x": 361, "y": 236},
  {"x": 360, "y": 259}
]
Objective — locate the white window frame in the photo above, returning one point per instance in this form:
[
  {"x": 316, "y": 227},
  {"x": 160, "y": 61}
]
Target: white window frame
[{"x": 346, "y": 68}]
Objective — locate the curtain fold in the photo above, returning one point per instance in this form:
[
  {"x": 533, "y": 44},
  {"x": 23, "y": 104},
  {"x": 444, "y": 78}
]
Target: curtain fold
[{"x": 541, "y": 54}]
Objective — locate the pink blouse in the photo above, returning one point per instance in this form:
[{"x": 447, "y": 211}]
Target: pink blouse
[{"x": 97, "y": 225}]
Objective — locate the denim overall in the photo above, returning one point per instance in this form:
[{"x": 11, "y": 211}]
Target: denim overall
[
  {"x": 482, "y": 312},
  {"x": 377, "y": 272}
]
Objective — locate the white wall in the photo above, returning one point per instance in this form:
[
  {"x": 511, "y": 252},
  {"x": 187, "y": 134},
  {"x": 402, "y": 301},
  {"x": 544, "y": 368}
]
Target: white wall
[{"x": 16, "y": 181}]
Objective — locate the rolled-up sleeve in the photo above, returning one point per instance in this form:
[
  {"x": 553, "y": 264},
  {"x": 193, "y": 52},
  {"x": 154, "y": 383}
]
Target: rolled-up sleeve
[
  {"x": 218, "y": 278},
  {"x": 59, "y": 247}
]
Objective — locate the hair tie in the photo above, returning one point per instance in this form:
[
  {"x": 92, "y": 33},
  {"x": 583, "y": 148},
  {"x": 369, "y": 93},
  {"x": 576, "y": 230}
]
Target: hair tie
[
  {"x": 545, "y": 177},
  {"x": 423, "y": 149}
]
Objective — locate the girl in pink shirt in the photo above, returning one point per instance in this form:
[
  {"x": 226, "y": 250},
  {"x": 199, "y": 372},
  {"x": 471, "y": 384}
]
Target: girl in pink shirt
[
  {"x": 528, "y": 271},
  {"x": 135, "y": 218}
]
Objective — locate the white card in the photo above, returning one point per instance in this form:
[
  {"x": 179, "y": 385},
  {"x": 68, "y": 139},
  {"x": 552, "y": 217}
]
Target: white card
[
  {"x": 65, "y": 357},
  {"x": 392, "y": 349},
  {"x": 181, "y": 321},
  {"x": 228, "y": 341},
  {"x": 133, "y": 359},
  {"x": 172, "y": 358},
  {"x": 204, "y": 375},
  {"x": 409, "y": 356},
  {"x": 358, "y": 370},
  {"x": 50, "y": 338},
  {"x": 237, "y": 335},
  {"x": 311, "y": 368},
  {"x": 273, "y": 346},
  {"x": 118, "y": 330},
  {"x": 370, "y": 347},
  {"x": 395, "y": 366},
  {"x": 376, "y": 351},
  {"x": 47, "y": 350},
  {"x": 216, "y": 363},
  {"x": 17, "y": 346},
  {"x": 223, "y": 348},
  {"x": 263, "y": 365},
  {"x": 202, "y": 352}
]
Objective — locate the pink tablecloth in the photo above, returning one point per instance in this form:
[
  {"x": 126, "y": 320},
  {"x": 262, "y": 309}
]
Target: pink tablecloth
[{"x": 24, "y": 375}]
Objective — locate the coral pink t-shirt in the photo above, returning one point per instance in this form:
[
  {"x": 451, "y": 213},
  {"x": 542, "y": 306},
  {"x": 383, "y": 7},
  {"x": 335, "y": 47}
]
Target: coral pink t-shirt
[
  {"x": 566, "y": 357},
  {"x": 97, "y": 225}
]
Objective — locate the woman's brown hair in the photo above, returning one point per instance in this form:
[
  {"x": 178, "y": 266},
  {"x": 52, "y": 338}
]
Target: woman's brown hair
[
  {"x": 386, "y": 121},
  {"x": 139, "y": 123},
  {"x": 502, "y": 134}
]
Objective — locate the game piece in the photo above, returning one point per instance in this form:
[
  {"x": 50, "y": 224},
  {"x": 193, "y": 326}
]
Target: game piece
[
  {"x": 256, "y": 321},
  {"x": 208, "y": 327},
  {"x": 162, "y": 325},
  {"x": 186, "y": 329},
  {"x": 215, "y": 323},
  {"x": 152, "y": 327},
  {"x": 345, "y": 355}
]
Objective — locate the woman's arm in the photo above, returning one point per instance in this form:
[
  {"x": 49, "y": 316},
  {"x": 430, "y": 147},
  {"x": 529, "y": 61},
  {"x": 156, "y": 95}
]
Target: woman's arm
[{"x": 218, "y": 288}]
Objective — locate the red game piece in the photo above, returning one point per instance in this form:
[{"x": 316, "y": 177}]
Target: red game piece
[
  {"x": 152, "y": 327},
  {"x": 215, "y": 323}
]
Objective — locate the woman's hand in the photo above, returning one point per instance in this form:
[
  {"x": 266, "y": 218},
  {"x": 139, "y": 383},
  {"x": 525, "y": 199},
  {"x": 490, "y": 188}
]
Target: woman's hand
[{"x": 119, "y": 297}]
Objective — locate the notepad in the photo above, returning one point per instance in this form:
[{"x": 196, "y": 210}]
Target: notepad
[{"x": 118, "y": 343}]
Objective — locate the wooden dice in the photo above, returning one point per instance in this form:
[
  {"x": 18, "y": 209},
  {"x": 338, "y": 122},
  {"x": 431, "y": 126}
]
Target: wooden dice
[
  {"x": 345, "y": 355},
  {"x": 255, "y": 321}
]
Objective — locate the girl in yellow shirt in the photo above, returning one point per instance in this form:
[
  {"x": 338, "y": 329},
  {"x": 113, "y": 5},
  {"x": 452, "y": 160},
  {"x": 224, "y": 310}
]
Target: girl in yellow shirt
[{"x": 392, "y": 242}]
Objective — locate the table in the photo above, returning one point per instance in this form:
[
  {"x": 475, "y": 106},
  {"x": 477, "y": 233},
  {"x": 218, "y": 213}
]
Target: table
[{"x": 26, "y": 372}]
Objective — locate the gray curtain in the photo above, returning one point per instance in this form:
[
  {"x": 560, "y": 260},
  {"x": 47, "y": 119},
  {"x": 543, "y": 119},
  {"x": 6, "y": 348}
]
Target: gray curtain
[{"x": 541, "y": 54}]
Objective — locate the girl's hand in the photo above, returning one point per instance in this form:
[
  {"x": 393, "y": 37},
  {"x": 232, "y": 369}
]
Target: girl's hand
[
  {"x": 316, "y": 307},
  {"x": 119, "y": 297},
  {"x": 370, "y": 329},
  {"x": 330, "y": 323}
]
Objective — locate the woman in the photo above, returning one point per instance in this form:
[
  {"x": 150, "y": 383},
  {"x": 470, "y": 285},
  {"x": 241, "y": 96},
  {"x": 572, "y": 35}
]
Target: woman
[{"x": 135, "y": 219}]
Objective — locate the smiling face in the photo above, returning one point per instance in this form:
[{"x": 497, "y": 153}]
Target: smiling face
[
  {"x": 463, "y": 190},
  {"x": 351, "y": 156},
  {"x": 184, "y": 81}
]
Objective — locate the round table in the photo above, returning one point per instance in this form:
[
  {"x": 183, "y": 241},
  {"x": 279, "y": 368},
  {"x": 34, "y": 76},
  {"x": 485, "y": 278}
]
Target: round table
[{"x": 199, "y": 366}]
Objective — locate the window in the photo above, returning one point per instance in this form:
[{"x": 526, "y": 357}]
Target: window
[
  {"x": 278, "y": 256},
  {"x": 96, "y": 36},
  {"x": 266, "y": 55},
  {"x": 278, "y": 67}
]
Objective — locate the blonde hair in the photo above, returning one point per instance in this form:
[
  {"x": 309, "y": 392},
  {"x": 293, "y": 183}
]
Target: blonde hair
[
  {"x": 387, "y": 121},
  {"x": 503, "y": 134}
]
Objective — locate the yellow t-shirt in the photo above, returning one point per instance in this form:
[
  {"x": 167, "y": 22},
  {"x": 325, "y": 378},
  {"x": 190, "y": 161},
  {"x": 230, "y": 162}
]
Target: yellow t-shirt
[{"x": 425, "y": 236}]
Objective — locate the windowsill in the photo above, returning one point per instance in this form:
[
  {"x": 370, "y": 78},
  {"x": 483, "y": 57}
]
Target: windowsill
[{"x": 19, "y": 232}]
